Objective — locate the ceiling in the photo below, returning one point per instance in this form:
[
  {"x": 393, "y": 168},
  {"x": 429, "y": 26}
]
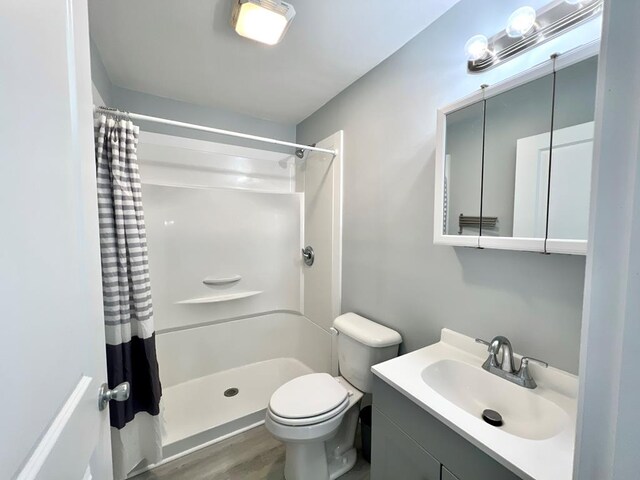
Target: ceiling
[{"x": 187, "y": 50}]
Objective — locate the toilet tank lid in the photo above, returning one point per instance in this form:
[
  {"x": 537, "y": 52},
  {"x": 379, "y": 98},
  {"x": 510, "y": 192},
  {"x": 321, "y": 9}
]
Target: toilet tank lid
[{"x": 365, "y": 331}]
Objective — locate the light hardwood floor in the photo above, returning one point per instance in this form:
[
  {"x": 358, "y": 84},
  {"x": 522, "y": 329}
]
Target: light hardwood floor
[{"x": 252, "y": 455}]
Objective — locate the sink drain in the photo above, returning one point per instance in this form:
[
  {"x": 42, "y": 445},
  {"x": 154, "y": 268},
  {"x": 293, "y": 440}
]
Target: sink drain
[
  {"x": 492, "y": 417},
  {"x": 231, "y": 392}
]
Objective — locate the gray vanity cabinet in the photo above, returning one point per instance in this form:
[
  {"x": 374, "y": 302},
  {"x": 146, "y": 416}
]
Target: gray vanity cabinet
[
  {"x": 397, "y": 456},
  {"x": 409, "y": 443},
  {"x": 447, "y": 475}
]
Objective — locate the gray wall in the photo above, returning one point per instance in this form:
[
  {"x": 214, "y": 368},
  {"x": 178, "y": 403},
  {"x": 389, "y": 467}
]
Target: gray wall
[
  {"x": 392, "y": 272},
  {"x": 146, "y": 104},
  {"x": 105, "y": 93}
]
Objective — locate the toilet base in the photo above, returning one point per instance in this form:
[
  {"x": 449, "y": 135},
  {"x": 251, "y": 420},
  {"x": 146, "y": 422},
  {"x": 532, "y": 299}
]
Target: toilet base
[
  {"x": 342, "y": 465},
  {"x": 308, "y": 461}
]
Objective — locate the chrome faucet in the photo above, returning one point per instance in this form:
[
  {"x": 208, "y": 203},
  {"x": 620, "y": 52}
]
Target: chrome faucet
[{"x": 500, "y": 362}]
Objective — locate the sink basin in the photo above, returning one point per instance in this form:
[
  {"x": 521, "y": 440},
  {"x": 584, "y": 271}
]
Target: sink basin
[
  {"x": 537, "y": 438},
  {"x": 525, "y": 412}
]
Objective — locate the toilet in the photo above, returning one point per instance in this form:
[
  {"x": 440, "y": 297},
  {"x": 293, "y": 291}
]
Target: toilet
[{"x": 316, "y": 415}]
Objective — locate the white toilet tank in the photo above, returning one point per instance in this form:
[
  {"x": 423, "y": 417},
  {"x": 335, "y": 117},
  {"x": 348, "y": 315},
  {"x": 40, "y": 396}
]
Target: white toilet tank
[{"x": 362, "y": 344}]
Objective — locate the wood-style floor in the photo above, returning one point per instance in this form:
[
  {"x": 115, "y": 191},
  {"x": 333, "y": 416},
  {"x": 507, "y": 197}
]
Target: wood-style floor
[{"x": 252, "y": 455}]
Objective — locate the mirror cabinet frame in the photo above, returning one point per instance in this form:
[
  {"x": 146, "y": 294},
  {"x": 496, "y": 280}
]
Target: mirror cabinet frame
[{"x": 541, "y": 245}]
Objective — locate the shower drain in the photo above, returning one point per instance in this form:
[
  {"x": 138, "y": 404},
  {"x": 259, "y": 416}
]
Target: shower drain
[{"x": 231, "y": 392}]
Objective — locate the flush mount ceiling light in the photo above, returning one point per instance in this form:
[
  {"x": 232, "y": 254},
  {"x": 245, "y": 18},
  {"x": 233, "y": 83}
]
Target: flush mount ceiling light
[
  {"x": 264, "y": 21},
  {"x": 528, "y": 28}
]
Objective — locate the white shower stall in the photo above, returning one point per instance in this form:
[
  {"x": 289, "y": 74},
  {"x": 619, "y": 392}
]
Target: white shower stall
[{"x": 237, "y": 311}]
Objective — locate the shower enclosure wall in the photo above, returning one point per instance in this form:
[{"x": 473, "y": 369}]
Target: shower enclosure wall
[{"x": 237, "y": 312}]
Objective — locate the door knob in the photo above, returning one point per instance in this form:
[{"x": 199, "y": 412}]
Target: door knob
[{"x": 119, "y": 394}]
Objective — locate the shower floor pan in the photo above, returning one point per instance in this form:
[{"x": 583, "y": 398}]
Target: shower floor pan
[{"x": 202, "y": 411}]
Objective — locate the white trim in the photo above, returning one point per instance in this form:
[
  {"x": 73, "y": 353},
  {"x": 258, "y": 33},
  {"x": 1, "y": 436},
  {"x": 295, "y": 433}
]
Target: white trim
[
  {"x": 545, "y": 68},
  {"x": 464, "y": 102},
  {"x": 438, "y": 203},
  {"x": 569, "y": 247},
  {"x": 513, "y": 243},
  {"x": 51, "y": 436},
  {"x": 607, "y": 433},
  {"x": 458, "y": 240},
  {"x": 577, "y": 55},
  {"x": 338, "y": 187}
]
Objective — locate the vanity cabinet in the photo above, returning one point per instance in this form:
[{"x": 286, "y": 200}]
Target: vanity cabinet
[
  {"x": 513, "y": 160},
  {"x": 397, "y": 455},
  {"x": 409, "y": 443},
  {"x": 447, "y": 475}
]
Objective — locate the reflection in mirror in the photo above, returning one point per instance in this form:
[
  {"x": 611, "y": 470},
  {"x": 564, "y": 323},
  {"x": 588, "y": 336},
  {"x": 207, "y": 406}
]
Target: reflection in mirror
[
  {"x": 515, "y": 171},
  {"x": 463, "y": 170},
  {"x": 572, "y": 151}
]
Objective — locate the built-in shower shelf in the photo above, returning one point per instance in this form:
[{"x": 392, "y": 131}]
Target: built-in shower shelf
[
  {"x": 221, "y": 280},
  {"x": 226, "y": 297}
]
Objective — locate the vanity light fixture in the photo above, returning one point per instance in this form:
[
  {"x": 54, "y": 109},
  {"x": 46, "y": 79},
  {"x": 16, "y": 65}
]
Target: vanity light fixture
[
  {"x": 521, "y": 22},
  {"x": 527, "y": 28},
  {"x": 477, "y": 47},
  {"x": 264, "y": 21}
]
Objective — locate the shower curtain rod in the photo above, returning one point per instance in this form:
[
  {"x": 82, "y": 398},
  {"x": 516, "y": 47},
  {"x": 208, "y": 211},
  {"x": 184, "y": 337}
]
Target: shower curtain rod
[{"x": 202, "y": 128}]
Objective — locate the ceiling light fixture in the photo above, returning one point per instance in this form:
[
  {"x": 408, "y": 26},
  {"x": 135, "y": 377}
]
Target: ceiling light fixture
[
  {"x": 526, "y": 29},
  {"x": 264, "y": 21}
]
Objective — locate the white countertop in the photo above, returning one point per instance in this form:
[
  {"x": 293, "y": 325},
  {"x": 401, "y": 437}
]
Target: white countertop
[{"x": 538, "y": 459}]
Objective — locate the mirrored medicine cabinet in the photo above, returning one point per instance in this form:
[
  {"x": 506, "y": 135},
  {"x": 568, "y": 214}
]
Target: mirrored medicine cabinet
[{"x": 513, "y": 161}]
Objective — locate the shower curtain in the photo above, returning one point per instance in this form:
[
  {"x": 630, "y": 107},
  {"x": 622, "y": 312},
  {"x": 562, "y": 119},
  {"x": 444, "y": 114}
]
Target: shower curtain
[{"x": 128, "y": 313}]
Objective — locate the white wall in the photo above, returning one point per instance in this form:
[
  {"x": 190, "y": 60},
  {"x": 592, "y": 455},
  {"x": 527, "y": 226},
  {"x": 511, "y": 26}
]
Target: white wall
[
  {"x": 198, "y": 233},
  {"x": 191, "y": 353},
  {"x": 608, "y": 438},
  {"x": 214, "y": 210},
  {"x": 250, "y": 227},
  {"x": 99, "y": 78},
  {"x": 321, "y": 175},
  {"x": 392, "y": 272}
]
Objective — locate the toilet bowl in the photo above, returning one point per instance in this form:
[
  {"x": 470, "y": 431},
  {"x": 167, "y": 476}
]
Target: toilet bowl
[{"x": 316, "y": 417}]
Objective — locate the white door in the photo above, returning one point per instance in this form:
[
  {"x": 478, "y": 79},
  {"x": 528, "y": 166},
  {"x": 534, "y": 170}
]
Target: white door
[{"x": 52, "y": 359}]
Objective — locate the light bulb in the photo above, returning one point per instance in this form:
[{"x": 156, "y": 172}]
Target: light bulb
[
  {"x": 521, "y": 21},
  {"x": 476, "y": 48}
]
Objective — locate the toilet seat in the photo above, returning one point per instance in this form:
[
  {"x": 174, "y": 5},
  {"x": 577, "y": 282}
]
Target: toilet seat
[
  {"x": 305, "y": 421},
  {"x": 306, "y": 399}
]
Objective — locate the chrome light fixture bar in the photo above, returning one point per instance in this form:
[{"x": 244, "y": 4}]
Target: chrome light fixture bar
[{"x": 526, "y": 30}]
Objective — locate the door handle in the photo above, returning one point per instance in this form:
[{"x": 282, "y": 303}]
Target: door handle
[{"x": 119, "y": 394}]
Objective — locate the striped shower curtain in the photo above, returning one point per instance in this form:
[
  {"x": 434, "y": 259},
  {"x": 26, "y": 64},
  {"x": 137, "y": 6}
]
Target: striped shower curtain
[{"x": 128, "y": 313}]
